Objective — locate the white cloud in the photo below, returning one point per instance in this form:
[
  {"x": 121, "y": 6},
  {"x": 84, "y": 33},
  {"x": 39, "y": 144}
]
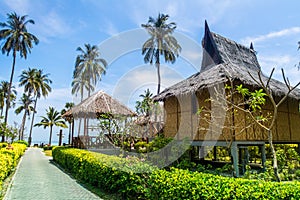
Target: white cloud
[
  {"x": 21, "y": 7},
  {"x": 272, "y": 35},
  {"x": 286, "y": 62},
  {"x": 128, "y": 87},
  {"x": 110, "y": 28},
  {"x": 52, "y": 25}
]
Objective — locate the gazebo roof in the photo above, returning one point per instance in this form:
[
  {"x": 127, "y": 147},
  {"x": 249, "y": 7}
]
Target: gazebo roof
[{"x": 97, "y": 104}]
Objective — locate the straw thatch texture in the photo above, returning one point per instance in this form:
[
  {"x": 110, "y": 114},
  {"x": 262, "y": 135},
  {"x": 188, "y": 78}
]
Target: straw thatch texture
[
  {"x": 99, "y": 103},
  {"x": 223, "y": 59},
  {"x": 224, "y": 62}
]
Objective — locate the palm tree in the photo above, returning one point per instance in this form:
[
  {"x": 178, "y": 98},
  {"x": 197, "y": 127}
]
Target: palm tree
[
  {"x": 4, "y": 87},
  {"x": 70, "y": 120},
  {"x": 160, "y": 43},
  {"x": 38, "y": 84},
  {"x": 89, "y": 65},
  {"x": 144, "y": 106},
  {"x": 17, "y": 39},
  {"x": 79, "y": 84},
  {"x": 53, "y": 118},
  {"x": 26, "y": 106}
]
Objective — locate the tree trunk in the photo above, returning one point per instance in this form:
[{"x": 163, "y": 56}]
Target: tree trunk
[
  {"x": 50, "y": 137},
  {"x": 158, "y": 77},
  {"x": 69, "y": 139},
  {"x": 72, "y": 131},
  {"x": 9, "y": 92},
  {"x": 21, "y": 131},
  {"x": 32, "y": 120},
  {"x": 275, "y": 164}
]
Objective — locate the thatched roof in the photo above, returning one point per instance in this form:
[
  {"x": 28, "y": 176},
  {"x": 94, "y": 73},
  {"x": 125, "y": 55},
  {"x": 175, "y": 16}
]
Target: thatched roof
[
  {"x": 99, "y": 103},
  {"x": 224, "y": 59}
]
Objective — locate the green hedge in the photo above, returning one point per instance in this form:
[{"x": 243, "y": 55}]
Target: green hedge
[
  {"x": 104, "y": 171},
  {"x": 9, "y": 159}
]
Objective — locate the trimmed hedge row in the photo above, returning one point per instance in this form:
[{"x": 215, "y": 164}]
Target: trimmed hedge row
[
  {"x": 104, "y": 171},
  {"x": 9, "y": 159}
]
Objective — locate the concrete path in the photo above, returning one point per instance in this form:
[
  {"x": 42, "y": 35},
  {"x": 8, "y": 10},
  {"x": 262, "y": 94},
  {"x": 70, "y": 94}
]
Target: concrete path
[{"x": 36, "y": 178}]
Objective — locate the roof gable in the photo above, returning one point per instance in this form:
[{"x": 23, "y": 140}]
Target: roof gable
[{"x": 218, "y": 49}]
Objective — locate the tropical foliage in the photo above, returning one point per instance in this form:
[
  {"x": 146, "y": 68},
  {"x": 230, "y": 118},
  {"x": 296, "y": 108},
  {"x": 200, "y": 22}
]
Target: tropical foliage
[
  {"x": 16, "y": 39},
  {"x": 99, "y": 169},
  {"x": 52, "y": 118},
  {"x": 26, "y": 107},
  {"x": 161, "y": 43},
  {"x": 144, "y": 107},
  {"x": 35, "y": 84}
]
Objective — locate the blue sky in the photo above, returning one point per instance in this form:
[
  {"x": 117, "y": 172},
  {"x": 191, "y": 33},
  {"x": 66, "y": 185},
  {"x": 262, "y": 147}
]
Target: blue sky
[{"x": 64, "y": 25}]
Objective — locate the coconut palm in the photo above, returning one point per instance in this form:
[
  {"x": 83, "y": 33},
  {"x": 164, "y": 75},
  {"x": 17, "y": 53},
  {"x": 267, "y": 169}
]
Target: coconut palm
[
  {"x": 26, "y": 106},
  {"x": 17, "y": 39},
  {"x": 144, "y": 107},
  {"x": 37, "y": 84},
  {"x": 89, "y": 65},
  {"x": 70, "y": 119},
  {"x": 52, "y": 118},
  {"x": 160, "y": 43},
  {"x": 80, "y": 84}
]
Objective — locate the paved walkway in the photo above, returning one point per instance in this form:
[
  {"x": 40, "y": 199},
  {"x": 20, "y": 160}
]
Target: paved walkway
[{"x": 37, "y": 178}]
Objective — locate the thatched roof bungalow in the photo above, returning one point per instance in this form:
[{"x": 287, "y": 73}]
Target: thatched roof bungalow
[
  {"x": 224, "y": 62},
  {"x": 224, "y": 59}
]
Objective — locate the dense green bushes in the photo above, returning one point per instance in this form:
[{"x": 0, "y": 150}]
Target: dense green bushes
[
  {"x": 9, "y": 158},
  {"x": 117, "y": 175}
]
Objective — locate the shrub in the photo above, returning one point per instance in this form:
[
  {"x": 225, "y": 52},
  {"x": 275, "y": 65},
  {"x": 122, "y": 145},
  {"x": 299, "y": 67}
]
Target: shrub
[
  {"x": 9, "y": 159},
  {"x": 3, "y": 145},
  {"x": 48, "y": 147},
  {"x": 22, "y": 142},
  {"x": 116, "y": 175}
]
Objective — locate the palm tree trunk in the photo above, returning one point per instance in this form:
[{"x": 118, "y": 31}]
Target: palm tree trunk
[
  {"x": 32, "y": 120},
  {"x": 9, "y": 92},
  {"x": 158, "y": 76},
  {"x": 72, "y": 131},
  {"x": 50, "y": 137},
  {"x": 21, "y": 131},
  {"x": 69, "y": 139}
]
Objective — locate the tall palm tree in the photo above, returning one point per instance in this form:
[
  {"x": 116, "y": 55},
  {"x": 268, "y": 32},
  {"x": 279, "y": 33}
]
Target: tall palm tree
[
  {"x": 52, "y": 118},
  {"x": 70, "y": 120},
  {"x": 27, "y": 107},
  {"x": 80, "y": 84},
  {"x": 37, "y": 84},
  {"x": 4, "y": 88},
  {"x": 144, "y": 106},
  {"x": 17, "y": 39},
  {"x": 160, "y": 43},
  {"x": 89, "y": 64}
]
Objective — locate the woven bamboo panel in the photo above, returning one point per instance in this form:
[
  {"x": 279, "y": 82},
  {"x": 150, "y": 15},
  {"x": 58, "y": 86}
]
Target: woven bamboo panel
[
  {"x": 283, "y": 127},
  {"x": 295, "y": 128}
]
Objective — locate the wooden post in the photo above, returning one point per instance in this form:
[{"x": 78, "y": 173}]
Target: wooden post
[
  {"x": 215, "y": 153},
  {"x": 235, "y": 158},
  {"x": 263, "y": 156}
]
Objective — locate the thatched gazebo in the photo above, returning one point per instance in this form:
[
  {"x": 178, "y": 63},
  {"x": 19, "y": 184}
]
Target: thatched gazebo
[
  {"x": 224, "y": 60},
  {"x": 94, "y": 107}
]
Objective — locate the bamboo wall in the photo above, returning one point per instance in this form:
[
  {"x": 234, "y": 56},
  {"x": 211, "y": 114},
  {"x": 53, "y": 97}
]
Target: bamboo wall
[{"x": 182, "y": 121}]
